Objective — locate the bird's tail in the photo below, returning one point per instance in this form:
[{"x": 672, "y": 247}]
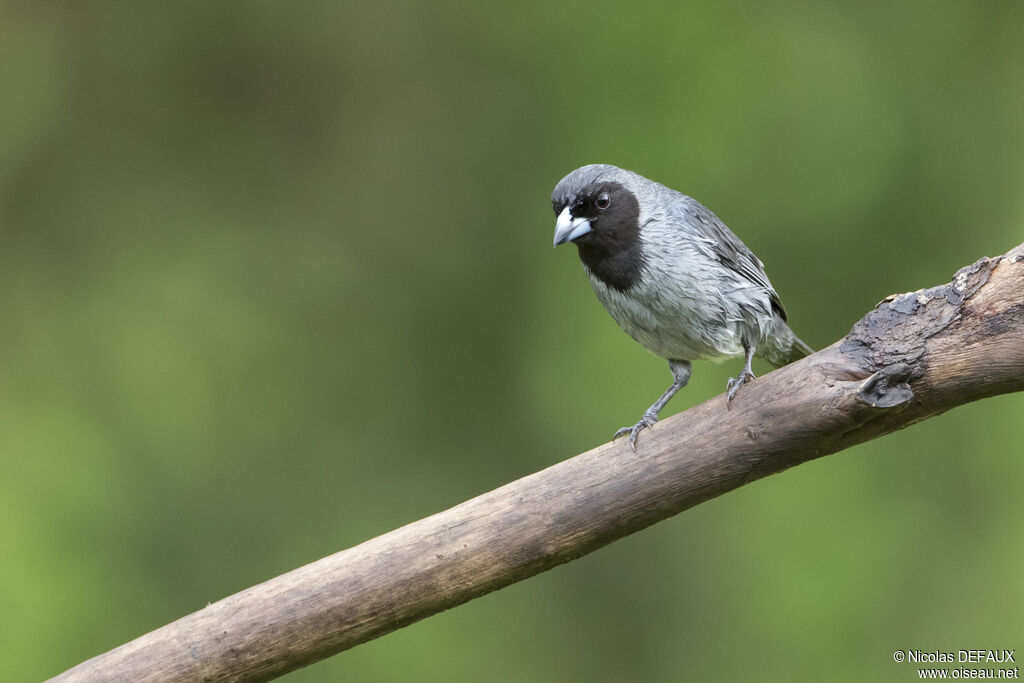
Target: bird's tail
[{"x": 783, "y": 346}]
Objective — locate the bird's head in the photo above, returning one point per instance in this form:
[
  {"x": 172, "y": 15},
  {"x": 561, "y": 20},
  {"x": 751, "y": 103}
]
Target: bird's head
[{"x": 596, "y": 207}]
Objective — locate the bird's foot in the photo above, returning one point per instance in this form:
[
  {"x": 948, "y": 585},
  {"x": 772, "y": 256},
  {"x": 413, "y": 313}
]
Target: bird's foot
[
  {"x": 646, "y": 420},
  {"x": 735, "y": 383}
]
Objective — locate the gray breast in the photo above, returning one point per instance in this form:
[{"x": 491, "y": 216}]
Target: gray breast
[{"x": 686, "y": 306}]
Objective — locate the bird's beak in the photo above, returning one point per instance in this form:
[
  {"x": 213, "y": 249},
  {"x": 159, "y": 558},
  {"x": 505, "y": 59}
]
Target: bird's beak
[{"x": 568, "y": 228}]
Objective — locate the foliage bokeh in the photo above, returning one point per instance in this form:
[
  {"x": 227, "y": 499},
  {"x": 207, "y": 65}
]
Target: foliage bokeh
[{"x": 276, "y": 278}]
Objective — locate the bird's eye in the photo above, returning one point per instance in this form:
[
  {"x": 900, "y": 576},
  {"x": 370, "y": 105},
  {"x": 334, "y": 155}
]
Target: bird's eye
[{"x": 604, "y": 200}]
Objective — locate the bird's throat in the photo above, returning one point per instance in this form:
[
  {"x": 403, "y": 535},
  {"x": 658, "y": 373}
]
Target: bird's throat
[{"x": 619, "y": 269}]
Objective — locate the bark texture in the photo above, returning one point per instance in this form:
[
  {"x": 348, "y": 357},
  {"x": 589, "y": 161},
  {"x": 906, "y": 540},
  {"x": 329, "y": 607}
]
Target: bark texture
[{"x": 915, "y": 355}]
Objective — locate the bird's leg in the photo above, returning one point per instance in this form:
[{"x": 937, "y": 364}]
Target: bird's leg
[
  {"x": 746, "y": 374},
  {"x": 681, "y": 375}
]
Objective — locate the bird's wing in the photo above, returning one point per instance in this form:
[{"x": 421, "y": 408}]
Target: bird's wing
[{"x": 720, "y": 241}]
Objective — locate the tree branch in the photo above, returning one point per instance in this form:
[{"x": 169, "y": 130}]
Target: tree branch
[{"x": 915, "y": 355}]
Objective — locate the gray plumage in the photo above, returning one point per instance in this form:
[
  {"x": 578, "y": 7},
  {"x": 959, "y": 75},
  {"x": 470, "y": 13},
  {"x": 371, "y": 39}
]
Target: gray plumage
[{"x": 672, "y": 275}]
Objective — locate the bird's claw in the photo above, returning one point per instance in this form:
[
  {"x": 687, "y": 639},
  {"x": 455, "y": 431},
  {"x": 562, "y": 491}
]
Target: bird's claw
[
  {"x": 735, "y": 383},
  {"x": 646, "y": 421}
]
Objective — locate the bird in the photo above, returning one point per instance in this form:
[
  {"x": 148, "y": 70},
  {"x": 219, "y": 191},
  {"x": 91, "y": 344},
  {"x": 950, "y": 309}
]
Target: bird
[{"x": 673, "y": 276}]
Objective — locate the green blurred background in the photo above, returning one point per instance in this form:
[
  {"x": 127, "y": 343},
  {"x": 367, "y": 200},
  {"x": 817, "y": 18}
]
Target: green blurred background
[{"x": 276, "y": 278}]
